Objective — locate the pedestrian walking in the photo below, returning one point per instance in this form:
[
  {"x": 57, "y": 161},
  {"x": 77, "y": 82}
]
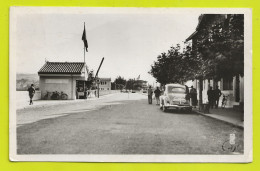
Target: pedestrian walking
[
  {"x": 157, "y": 93},
  {"x": 150, "y": 95},
  {"x": 217, "y": 94},
  {"x": 210, "y": 94},
  {"x": 193, "y": 96},
  {"x": 31, "y": 91}
]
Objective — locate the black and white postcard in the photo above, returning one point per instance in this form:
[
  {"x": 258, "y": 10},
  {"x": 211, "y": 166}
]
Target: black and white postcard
[{"x": 130, "y": 84}]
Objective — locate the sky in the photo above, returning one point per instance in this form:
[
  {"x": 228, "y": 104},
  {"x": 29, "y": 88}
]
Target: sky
[{"x": 129, "y": 41}]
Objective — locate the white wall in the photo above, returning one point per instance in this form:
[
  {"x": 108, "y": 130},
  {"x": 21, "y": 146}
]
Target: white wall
[
  {"x": 105, "y": 92},
  {"x": 68, "y": 87},
  {"x": 24, "y": 95}
]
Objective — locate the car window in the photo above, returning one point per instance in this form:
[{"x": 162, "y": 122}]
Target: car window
[{"x": 176, "y": 90}]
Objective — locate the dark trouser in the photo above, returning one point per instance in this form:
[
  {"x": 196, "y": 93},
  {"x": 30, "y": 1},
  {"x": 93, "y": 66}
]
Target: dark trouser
[
  {"x": 157, "y": 100},
  {"x": 31, "y": 97},
  {"x": 150, "y": 99},
  {"x": 211, "y": 103}
]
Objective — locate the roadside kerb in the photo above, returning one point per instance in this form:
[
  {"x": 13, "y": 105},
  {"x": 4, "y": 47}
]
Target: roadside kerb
[
  {"x": 46, "y": 103},
  {"x": 225, "y": 121}
]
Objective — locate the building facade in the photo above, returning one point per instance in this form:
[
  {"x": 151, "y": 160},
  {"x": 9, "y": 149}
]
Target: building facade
[
  {"x": 105, "y": 84},
  {"x": 232, "y": 86},
  {"x": 61, "y": 77}
]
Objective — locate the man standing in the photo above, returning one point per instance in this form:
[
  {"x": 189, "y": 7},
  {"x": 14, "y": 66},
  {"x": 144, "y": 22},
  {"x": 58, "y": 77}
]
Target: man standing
[
  {"x": 31, "y": 91},
  {"x": 150, "y": 95},
  {"x": 210, "y": 94},
  {"x": 157, "y": 93},
  {"x": 217, "y": 94},
  {"x": 193, "y": 96}
]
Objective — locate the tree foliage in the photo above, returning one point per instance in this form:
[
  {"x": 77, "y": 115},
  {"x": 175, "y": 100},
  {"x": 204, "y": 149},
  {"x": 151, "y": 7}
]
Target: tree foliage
[
  {"x": 130, "y": 84},
  {"x": 217, "y": 52},
  {"x": 221, "y": 48},
  {"x": 175, "y": 66},
  {"x": 120, "y": 82}
]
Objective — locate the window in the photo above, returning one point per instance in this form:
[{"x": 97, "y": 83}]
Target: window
[
  {"x": 176, "y": 90},
  {"x": 227, "y": 83}
]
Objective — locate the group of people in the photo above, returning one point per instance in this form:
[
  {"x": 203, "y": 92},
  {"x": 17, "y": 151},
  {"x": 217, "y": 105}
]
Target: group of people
[
  {"x": 213, "y": 97},
  {"x": 157, "y": 94},
  {"x": 191, "y": 96}
]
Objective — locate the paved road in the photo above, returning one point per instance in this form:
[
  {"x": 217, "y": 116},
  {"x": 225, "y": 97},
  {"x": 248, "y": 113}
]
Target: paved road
[{"x": 121, "y": 125}]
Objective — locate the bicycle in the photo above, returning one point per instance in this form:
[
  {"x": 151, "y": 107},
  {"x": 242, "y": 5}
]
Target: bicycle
[
  {"x": 47, "y": 96},
  {"x": 63, "y": 96}
]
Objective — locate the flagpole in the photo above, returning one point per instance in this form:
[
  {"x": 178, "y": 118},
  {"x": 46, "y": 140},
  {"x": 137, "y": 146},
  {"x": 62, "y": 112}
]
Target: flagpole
[{"x": 84, "y": 46}]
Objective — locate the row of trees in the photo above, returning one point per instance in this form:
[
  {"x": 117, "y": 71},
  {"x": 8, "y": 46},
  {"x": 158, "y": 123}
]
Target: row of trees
[
  {"x": 121, "y": 83},
  {"x": 217, "y": 52}
]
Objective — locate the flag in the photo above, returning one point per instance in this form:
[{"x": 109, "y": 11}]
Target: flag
[
  {"x": 84, "y": 38},
  {"x": 138, "y": 77}
]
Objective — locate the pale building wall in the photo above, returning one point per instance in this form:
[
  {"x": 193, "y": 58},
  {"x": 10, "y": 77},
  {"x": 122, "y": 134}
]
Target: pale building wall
[
  {"x": 106, "y": 84},
  {"x": 58, "y": 83},
  {"x": 65, "y": 84}
]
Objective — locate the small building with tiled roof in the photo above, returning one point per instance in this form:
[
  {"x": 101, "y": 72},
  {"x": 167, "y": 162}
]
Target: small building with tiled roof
[{"x": 62, "y": 77}]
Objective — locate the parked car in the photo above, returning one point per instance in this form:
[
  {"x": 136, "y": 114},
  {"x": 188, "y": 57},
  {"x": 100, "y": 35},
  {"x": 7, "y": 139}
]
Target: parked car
[{"x": 174, "y": 98}]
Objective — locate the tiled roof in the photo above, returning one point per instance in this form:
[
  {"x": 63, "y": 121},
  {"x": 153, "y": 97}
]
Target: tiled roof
[
  {"x": 105, "y": 79},
  {"x": 62, "y": 68}
]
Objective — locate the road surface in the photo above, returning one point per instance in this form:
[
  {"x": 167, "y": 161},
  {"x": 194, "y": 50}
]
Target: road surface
[{"x": 121, "y": 124}]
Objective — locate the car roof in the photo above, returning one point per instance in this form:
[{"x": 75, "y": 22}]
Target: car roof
[{"x": 175, "y": 85}]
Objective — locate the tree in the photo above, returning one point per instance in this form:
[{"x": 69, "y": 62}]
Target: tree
[
  {"x": 120, "y": 82},
  {"x": 176, "y": 66},
  {"x": 90, "y": 81},
  {"x": 221, "y": 48},
  {"x": 130, "y": 84}
]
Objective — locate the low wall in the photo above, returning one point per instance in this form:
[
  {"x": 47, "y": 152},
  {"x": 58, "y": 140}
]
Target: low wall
[
  {"x": 105, "y": 92},
  {"x": 102, "y": 92},
  {"x": 24, "y": 95}
]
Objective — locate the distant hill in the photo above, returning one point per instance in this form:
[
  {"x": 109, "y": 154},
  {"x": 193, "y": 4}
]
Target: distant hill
[{"x": 23, "y": 81}]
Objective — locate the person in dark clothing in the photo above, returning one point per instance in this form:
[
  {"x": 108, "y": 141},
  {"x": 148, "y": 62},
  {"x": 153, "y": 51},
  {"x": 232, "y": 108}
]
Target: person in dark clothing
[
  {"x": 150, "y": 95},
  {"x": 217, "y": 94},
  {"x": 31, "y": 91},
  {"x": 193, "y": 96},
  {"x": 210, "y": 94},
  {"x": 157, "y": 94},
  {"x": 187, "y": 92}
]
